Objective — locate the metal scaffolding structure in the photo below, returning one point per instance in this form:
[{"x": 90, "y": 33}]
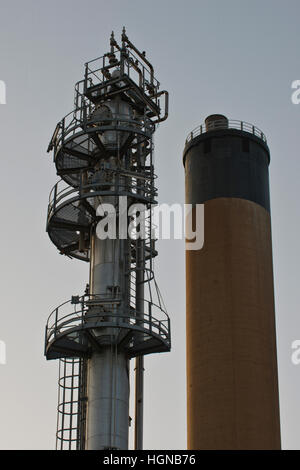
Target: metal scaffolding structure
[{"x": 103, "y": 152}]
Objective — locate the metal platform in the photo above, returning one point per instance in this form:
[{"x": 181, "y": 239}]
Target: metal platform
[
  {"x": 93, "y": 322},
  {"x": 71, "y": 212},
  {"x": 77, "y": 141}
]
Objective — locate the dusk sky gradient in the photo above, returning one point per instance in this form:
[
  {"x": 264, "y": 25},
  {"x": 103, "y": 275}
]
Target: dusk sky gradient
[{"x": 236, "y": 58}]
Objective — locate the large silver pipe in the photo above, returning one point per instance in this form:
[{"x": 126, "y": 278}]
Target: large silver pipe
[
  {"x": 108, "y": 398},
  {"x": 107, "y": 369}
]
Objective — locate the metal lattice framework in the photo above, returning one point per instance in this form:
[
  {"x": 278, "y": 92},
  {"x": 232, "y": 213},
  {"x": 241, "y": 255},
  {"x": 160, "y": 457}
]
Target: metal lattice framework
[{"x": 103, "y": 150}]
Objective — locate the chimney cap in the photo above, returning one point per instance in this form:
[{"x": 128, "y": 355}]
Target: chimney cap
[{"x": 216, "y": 121}]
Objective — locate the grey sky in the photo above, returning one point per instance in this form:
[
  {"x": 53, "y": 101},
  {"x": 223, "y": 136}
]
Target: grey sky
[{"x": 238, "y": 58}]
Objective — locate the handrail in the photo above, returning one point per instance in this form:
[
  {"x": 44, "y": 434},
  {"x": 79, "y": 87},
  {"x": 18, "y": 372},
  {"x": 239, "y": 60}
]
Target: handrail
[
  {"x": 83, "y": 103},
  {"x": 61, "y": 191},
  {"x": 130, "y": 59},
  {"x": 78, "y": 119},
  {"x": 63, "y": 322},
  {"x": 226, "y": 124},
  {"x": 85, "y": 299}
]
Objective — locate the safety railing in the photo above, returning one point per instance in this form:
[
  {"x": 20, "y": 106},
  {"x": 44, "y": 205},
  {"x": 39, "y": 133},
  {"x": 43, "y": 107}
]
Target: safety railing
[
  {"x": 226, "y": 124},
  {"x": 98, "y": 311},
  {"x": 62, "y": 194},
  {"x": 81, "y": 119},
  {"x": 98, "y": 71}
]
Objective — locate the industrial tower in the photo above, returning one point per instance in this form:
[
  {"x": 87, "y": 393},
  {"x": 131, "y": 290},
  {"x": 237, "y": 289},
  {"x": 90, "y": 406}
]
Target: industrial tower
[
  {"x": 232, "y": 384},
  {"x": 103, "y": 152}
]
